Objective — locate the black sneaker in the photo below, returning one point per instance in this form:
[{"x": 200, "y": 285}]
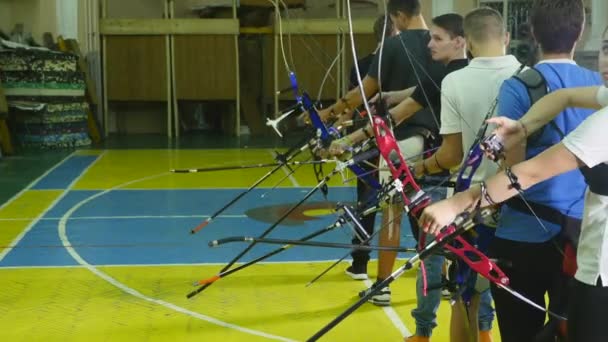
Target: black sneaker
[
  {"x": 357, "y": 271},
  {"x": 381, "y": 298}
]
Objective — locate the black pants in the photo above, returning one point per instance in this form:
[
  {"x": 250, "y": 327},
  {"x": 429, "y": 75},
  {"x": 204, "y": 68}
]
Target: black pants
[
  {"x": 364, "y": 194},
  {"x": 534, "y": 269},
  {"x": 588, "y": 313}
]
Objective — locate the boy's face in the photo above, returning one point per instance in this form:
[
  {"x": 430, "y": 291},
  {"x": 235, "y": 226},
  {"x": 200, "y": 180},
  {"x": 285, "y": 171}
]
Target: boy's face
[
  {"x": 603, "y": 58},
  {"x": 443, "y": 47}
]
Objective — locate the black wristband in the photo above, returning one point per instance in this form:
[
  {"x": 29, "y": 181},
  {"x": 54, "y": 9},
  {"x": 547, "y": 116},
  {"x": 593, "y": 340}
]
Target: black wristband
[
  {"x": 513, "y": 180},
  {"x": 439, "y": 165},
  {"x": 425, "y": 171},
  {"x": 485, "y": 195}
]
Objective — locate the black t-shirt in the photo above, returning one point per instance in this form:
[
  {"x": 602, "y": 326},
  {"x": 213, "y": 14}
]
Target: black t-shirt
[
  {"x": 430, "y": 92},
  {"x": 364, "y": 64},
  {"x": 406, "y": 62}
]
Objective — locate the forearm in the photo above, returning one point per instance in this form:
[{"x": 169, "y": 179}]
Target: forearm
[
  {"x": 353, "y": 98},
  {"x": 347, "y": 103},
  {"x": 404, "y": 110},
  {"x": 442, "y": 160},
  {"x": 547, "y": 108},
  {"x": 530, "y": 172},
  {"x": 361, "y": 134},
  {"x": 498, "y": 188},
  {"x": 400, "y": 95},
  {"x": 515, "y": 155}
]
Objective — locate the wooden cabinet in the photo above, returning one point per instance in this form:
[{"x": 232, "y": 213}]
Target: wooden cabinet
[
  {"x": 205, "y": 67},
  {"x": 136, "y": 68}
]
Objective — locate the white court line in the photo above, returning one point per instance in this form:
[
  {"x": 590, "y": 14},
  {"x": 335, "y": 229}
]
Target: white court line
[
  {"x": 392, "y": 315},
  {"x": 131, "y": 217},
  {"x": 35, "y": 181},
  {"x": 16, "y": 240},
  {"x": 62, "y": 230},
  {"x": 215, "y": 188},
  {"x": 181, "y": 265},
  {"x": 174, "y": 265},
  {"x": 286, "y": 171},
  {"x": 185, "y": 265}
]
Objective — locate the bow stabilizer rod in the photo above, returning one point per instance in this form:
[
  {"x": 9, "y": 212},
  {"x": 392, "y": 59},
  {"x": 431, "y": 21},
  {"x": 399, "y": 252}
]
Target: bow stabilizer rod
[
  {"x": 270, "y": 229},
  {"x": 252, "y": 166},
  {"x": 283, "y": 159}
]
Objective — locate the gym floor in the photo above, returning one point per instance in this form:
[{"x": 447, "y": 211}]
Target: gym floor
[{"x": 98, "y": 248}]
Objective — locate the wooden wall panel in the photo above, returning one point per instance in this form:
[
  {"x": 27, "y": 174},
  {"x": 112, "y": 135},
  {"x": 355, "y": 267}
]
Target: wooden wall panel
[
  {"x": 312, "y": 56},
  {"x": 132, "y": 9},
  {"x": 205, "y": 67},
  {"x": 266, "y": 3},
  {"x": 137, "y": 68}
]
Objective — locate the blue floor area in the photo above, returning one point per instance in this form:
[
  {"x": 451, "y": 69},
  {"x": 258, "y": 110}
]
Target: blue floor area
[
  {"x": 66, "y": 173},
  {"x": 152, "y": 227}
]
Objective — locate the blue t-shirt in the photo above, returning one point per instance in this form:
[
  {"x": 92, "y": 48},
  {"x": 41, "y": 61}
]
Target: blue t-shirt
[{"x": 566, "y": 191}]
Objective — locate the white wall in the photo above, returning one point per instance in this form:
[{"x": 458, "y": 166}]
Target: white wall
[
  {"x": 5, "y": 16},
  {"x": 37, "y": 16},
  {"x": 67, "y": 18}
]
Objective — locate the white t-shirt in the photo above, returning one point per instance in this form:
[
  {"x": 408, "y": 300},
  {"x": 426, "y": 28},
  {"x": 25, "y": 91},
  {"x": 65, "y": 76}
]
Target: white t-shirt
[
  {"x": 588, "y": 142},
  {"x": 467, "y": 96}
]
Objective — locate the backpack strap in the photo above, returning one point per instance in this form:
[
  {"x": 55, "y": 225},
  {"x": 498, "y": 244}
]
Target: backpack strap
[
  {"x": 535, "y": 83},
  {"x": 537, "y": 87}
]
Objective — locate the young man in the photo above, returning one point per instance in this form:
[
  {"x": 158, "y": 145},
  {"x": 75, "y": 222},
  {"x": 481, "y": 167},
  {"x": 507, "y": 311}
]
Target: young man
[
  {"x": 447, "y": 46},
  {"x": 583, "y": 149},
  {"x": 534, "y": 251},
  {"x": 405, "y": 63},
  {"x": 358, "y": 269},
  {"x": 463, "y": 110}
]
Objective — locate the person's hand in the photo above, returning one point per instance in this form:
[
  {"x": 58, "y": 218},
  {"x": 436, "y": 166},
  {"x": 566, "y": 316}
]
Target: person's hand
[
  {"x": 326, "y": 114},
  {"x": 339, "y": 146},
  {"x": 304, "y": 119},
  {"x": 440, "y": 214},
  {"x": 510, "y": 132},
  {"x": 419, "y": 169}
]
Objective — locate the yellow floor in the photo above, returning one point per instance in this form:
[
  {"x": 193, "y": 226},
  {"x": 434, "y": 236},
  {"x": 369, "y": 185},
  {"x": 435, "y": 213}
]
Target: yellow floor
[{"x": 148, "y": 302}]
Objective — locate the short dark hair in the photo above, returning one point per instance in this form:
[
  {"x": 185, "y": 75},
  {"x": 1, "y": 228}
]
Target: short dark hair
[
  {"x": 451, "y": 23},
  {"x": 483, "y": 24},
  {"x": 408, "y": 7},
  {"x": 557, "y": 24},
  {"x": 379, "y": 27}
]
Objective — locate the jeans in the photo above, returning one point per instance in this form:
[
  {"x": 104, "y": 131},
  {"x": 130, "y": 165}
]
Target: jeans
[
  {"x": 486, "y": 311},
  {"x": 425, "y": 313}
]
